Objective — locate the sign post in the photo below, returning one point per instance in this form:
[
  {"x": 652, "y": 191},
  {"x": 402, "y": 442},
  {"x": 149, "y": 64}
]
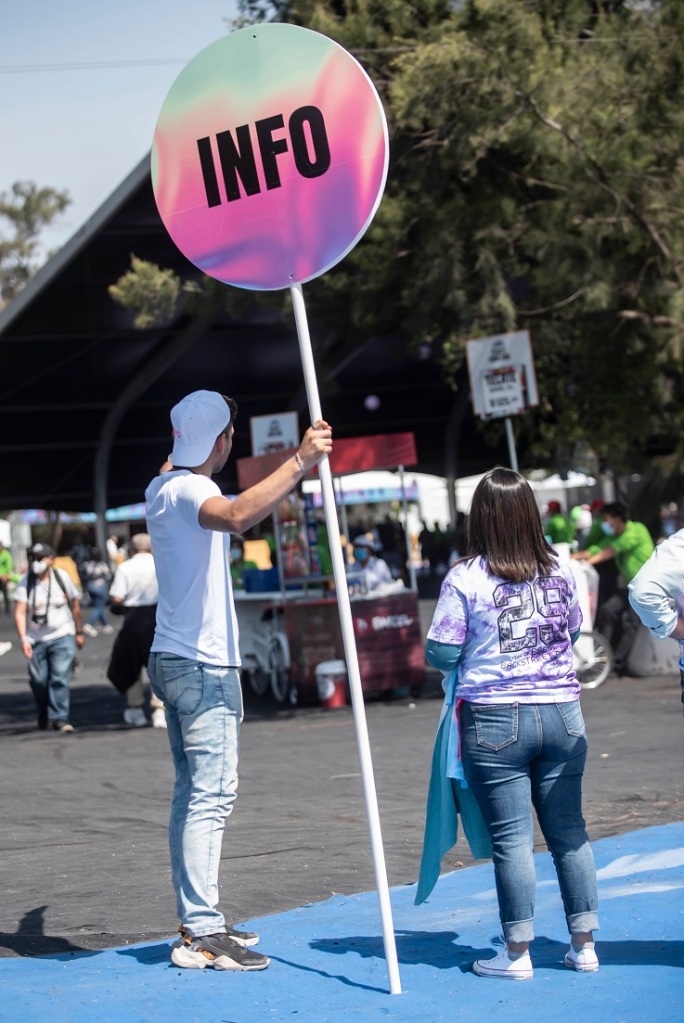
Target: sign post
[
  {"x": 503, "y": 382},
  {"x": 269, "y": 162}
]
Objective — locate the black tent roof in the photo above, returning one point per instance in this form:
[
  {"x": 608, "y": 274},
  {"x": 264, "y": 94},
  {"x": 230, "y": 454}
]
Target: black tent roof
[{"x": 76, "y": 372}]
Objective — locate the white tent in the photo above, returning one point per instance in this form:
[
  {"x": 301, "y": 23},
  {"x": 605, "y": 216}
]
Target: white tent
[
  {"x": 551, "y": 488},
  {"x": 427, "y": 494},
  {"x": 433, "y": 503}
]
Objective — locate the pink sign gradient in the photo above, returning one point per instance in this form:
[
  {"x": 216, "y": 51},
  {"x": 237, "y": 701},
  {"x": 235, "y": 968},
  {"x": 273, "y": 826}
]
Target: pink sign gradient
[{"x": 292, "y": 109}]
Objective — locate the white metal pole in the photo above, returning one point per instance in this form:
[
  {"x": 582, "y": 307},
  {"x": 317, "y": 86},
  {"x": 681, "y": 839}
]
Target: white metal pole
[
  {"x": 409, "y": 553},
  {"x": 512, "y": 453},
  {"x": 350, "y": 651},
  {"x": 343, "y": 510},
  {"x": 278, "y": 549}
]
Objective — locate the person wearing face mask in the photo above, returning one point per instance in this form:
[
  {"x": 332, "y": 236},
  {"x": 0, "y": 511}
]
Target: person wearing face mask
[
  {"x": 630, "y": 544},
  {"x": 238, "y": 563},
  {"x": 375, "y": 571},
  {"x": 48, "y": 621}
]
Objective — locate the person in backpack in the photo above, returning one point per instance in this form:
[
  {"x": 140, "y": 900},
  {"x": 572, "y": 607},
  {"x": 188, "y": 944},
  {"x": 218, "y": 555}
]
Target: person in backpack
[
  {"x": 47, "y": 617},
  {"x": 97, "y": 576}
]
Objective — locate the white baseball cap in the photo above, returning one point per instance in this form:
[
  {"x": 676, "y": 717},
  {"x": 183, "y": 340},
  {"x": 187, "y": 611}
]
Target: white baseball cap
[
  {"x": 365, "y": 541},
  {"x": 197, "y": 421}
]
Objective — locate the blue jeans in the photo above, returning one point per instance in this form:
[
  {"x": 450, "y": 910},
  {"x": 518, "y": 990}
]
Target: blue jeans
[
  {"x": 516, "y": 756},
  {"x": 97, "y": 591},
  {"x": 50, "y": 676},
  {"x": 203, "y": 713}
]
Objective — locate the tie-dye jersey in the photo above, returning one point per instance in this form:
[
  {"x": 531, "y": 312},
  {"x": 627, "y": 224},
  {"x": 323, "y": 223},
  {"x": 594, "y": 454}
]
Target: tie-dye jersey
[{"x": 515, "y": 636}]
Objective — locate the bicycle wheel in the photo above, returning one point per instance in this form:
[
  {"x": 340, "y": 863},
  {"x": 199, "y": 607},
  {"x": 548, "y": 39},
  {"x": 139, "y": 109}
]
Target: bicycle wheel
[
  {"x": 279, "y": 669},
  {"x": 258, "y": 680},
  {"x": 593, "y": 670}
]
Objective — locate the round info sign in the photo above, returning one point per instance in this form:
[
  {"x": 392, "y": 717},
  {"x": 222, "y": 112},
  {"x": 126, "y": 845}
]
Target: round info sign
[{"x": 270, "y": 156}]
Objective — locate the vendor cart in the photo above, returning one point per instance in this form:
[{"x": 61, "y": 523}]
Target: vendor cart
[{"x": 289, "y": 623}]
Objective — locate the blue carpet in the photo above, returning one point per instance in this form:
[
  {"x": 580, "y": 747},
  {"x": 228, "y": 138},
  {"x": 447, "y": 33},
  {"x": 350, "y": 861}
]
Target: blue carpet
[{"x": 328, "y": 963}]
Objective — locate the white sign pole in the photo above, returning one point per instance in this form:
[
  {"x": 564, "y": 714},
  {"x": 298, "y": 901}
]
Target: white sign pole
[
  {"x": 512, "y": 453},
  {"x": 343, "y": 510},
  {"x": 350, "y": 651},
  {"x": 409, "y": 553}
]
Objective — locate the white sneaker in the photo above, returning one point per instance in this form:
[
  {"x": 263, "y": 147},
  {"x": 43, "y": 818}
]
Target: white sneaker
[
  {"x": 585, "y": 961},
  {"x": 135, "y": 717},
  {"x": 505, "y": 968},
  {"x": 159, "y": 718},
  {"x": 89, "y": 630},
  {"x": 5, "y": 648},
  {"x": 107, "y": 630}
]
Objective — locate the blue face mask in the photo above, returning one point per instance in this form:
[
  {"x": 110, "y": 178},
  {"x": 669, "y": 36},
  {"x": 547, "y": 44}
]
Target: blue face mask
[
  {"x": 608, "y": 529},
  {"x": 236, "y": 553},
  {"x": 361, "y": 553}
]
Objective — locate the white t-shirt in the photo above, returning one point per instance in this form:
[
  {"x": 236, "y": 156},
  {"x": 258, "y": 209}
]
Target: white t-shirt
[
  {"x": 376, "y": 573},
  {"x": 135, "y": 581},
  {"x": 195, "y": 614},
  {"x": 60, "y": 621}
]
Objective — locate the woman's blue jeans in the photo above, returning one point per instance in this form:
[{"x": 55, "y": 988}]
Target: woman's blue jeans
[
  {"x": 97, "y": 591},
  {"x": 518, "y": 756},
  {"x": 203, "y": 713}
]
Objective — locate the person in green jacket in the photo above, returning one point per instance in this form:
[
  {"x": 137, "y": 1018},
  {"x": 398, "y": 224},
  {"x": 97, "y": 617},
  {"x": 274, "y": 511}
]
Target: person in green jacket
[
  {"x": 6, "y": 574},
  {"x": 558, "y": 527},
  {"x": 630, "y": 544}
]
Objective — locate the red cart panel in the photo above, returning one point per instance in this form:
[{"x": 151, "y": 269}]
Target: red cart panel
[{"x": 388, "y": 641}]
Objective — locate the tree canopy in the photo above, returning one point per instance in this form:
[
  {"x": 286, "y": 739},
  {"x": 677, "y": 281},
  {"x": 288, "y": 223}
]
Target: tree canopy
[
  {"x": 25, "y": 211},
  {"x": 536, "y": 181}
]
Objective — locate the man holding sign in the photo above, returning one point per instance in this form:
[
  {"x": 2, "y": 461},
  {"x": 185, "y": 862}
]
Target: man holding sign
[
  {"x": 269, "y": 162},
  {"x": 195, "y": 660}
]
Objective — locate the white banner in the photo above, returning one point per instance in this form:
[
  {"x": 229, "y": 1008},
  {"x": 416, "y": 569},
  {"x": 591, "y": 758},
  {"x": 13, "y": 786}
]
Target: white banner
[
  {"x": 503, "y": 391},
  {"x": 502, "y": 377},
  {"x": 274, "y": 433}
]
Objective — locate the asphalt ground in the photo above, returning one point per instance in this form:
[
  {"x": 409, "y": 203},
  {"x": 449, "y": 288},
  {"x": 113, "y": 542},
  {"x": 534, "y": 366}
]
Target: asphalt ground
[{"x": 84, "y": 860}]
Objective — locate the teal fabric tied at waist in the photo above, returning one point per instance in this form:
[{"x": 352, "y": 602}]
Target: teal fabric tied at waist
[
  {"x": 448, "y": 798},
  {"x": 454, "y": 764}
]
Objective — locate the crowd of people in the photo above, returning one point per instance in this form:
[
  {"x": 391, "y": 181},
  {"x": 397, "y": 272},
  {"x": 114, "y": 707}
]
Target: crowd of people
[
  {"x": 513, "y": 723},
  {"x": 83, "y": 587},
  {"x": 441, "y": 547},
  {"x": 511, "y": 738},
  {"x": 49, "y": 603}
]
